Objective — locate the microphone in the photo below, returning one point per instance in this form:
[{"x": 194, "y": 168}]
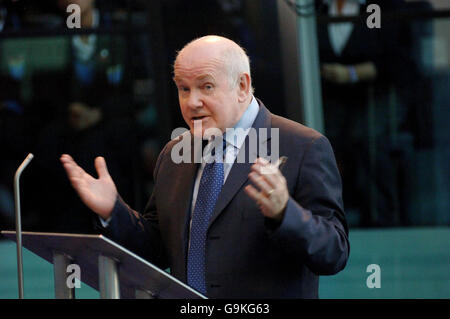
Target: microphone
[{"x": 18, "y": 222}]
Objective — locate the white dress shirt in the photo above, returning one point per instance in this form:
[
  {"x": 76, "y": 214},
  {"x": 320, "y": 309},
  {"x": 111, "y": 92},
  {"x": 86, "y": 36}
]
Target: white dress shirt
[
  {"x": 340, "y": 32},
  {"x": 233, "y": 145}
]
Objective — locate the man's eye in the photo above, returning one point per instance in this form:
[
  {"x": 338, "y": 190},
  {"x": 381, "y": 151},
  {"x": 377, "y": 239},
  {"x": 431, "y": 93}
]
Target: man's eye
[{"x": 208, "y": 87}]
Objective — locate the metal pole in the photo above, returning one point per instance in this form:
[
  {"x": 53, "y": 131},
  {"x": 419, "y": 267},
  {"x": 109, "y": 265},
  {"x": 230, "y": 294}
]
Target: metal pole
[
  {"x": 60, "y": 263},
  {"x": 108, "y": 278},
  {"x": 18, "y": 222},
  {"x": 309, "y": 65},
  {"x": 290, "y": 60},
  {"x": 372, "y": 155}
]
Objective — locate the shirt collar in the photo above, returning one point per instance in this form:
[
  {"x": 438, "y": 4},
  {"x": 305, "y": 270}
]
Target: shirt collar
[{"x": 236, "y": 137}]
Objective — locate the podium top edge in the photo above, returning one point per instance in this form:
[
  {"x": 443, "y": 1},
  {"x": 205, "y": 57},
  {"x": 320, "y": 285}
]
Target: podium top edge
[{"x": 28, "y": 233}]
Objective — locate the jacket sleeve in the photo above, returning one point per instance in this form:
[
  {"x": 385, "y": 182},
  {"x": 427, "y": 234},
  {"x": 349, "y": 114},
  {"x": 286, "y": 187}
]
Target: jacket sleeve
[
  {"x": 136, "y": 232},
  {"x": 314, "y": 230}
]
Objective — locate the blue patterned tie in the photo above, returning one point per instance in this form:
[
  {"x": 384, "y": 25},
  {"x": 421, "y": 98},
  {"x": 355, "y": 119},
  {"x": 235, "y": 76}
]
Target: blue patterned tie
[{"x": 208, "y": 192}]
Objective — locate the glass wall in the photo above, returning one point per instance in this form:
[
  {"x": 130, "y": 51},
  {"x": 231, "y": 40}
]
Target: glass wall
[
  {"x": 385, "y": 104},
  {"x": 87, "y": 91},
  {"x": 105, "y": 89}
]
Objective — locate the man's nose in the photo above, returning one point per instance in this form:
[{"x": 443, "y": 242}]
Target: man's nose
[{"x": 194, "y": 100}]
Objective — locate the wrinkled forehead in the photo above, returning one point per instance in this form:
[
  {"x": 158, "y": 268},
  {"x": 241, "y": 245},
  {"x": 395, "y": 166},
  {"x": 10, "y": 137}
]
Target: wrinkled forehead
[{"x": 190, "y": 65}]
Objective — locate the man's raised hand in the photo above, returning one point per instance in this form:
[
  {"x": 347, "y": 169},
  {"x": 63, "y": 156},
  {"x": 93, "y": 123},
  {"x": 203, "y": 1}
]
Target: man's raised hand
[{"x": 99, "y": 194}]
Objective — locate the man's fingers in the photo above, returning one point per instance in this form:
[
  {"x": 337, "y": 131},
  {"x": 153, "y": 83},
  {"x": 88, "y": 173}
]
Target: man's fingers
[
  {"x": 269, "y": 172},
  {"x": 261, "y": 183},
  {"x": 73, "y": 170},
  {"x": 100, "y": 166},
  {"x": 66, "y": 156},
  {"x": 71, "y": 167},
  {"x": 258, "y": 197},
  {"x": 66, "y": 159}
]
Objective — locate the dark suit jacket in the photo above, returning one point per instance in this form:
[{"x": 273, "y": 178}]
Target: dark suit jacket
[{"x": 246, "y": 255}]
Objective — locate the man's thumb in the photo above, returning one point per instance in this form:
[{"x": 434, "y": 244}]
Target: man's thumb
[{"x": 100, "y": 166}]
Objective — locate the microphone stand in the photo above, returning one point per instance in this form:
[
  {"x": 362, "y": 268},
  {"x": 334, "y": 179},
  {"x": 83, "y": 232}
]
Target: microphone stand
[{"x": 18, "y": 222}]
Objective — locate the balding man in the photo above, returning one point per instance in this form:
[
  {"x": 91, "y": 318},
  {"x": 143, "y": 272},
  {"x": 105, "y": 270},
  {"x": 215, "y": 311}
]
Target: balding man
[{"x": 231, "y": 228}]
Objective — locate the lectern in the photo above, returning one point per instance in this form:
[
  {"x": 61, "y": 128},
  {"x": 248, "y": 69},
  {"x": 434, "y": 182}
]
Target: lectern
[{"x": 104, "y": 265}]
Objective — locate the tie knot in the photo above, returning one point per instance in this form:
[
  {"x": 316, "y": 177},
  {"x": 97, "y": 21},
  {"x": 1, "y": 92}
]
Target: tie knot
[{"x": 215, "y": 146}]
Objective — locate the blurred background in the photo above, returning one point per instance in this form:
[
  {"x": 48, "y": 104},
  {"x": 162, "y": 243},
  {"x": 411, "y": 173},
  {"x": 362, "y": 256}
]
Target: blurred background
[{"x": 381, "y": 96}]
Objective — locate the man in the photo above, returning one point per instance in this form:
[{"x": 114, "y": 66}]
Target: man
[{"x": 266, "y": 234}]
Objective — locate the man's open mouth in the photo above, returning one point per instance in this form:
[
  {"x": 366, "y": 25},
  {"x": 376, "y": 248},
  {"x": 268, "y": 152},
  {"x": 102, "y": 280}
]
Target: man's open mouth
[{"x": 196, "y": 118}]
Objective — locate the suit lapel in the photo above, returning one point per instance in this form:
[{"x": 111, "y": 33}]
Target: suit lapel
[
  {"x": 186, "y": 180},
  {"x": 239, "y": 171}
]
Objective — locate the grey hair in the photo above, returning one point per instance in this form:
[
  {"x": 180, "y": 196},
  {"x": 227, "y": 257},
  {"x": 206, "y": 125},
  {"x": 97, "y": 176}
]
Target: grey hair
[{"x": 236, "y": 62}]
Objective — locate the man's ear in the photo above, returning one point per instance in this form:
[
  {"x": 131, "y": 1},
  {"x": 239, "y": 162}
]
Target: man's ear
[{"x": 244, "y": 85}]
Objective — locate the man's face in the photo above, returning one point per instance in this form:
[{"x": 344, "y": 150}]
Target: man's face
[{"x": 204, "y": 91}]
